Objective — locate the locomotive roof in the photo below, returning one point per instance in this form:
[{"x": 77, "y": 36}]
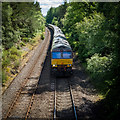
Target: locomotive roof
[
  {"x": 60, "y": 43},
  {"x": 61, "y": 47}
]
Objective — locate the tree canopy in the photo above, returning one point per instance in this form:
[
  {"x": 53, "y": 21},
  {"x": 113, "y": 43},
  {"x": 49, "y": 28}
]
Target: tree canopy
[{"x": 21, "y": 21}]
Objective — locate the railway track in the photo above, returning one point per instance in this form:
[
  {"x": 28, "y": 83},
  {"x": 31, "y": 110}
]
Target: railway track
[
  {"x": 24, "y": 96},
  {"x": 64, "y": 107}
]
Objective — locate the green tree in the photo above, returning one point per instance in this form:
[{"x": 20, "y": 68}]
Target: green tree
[
  {"x": 20, "y": 23},
  {"x": 20, "y": 20},
  {"x": 58, "y": 13},
  {"x": 55, "y": 21},
  {"x": 50, "y": 15}
]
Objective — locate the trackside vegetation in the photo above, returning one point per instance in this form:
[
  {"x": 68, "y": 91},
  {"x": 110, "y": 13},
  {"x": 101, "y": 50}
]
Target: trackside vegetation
[
  {"x": 21, "y": 23},
  {"x": 93, "y": 30}
]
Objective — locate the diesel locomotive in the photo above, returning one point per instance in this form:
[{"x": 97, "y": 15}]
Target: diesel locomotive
[{"x": 61, "y": 53}]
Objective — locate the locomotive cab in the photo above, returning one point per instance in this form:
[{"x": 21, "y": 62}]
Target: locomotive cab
[{"x": 61, "y": 60}]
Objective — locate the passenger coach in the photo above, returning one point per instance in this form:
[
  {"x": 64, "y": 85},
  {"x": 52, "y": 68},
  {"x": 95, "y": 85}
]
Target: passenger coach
[{"x": 61, "y": 53}]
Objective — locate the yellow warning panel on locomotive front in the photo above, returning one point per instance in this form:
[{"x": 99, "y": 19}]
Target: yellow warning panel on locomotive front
[{"x": 61, "y": 61}]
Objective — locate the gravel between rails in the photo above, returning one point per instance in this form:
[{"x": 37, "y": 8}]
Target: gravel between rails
[{"x": 10, "y": 93}]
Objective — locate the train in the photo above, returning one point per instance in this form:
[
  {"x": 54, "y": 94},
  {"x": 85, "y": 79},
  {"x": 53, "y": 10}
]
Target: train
[{"x": 61, "y": 53}]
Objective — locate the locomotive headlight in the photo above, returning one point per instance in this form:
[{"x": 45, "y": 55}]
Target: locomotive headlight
[
  {"x": 69, "y": 65},
  {"x": 54, "y": 65}
]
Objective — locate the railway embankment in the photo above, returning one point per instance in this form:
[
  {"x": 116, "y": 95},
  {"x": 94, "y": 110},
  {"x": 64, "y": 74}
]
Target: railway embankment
[{"x": 26, "y": 52}]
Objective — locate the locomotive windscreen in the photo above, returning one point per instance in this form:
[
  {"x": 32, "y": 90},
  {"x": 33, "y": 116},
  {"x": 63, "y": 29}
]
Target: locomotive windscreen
[
  {"x": 56, "y": 55},
  {"x": 67, "y": 55},
  {"x": 61, "y": 55}
]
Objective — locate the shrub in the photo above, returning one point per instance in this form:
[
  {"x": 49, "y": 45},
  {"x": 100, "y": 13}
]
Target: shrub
[
  {"x": 14, "y": 51},
  {"x": 5, "y": 62},
  {"x": 22, "y": 44},
  {"x": 13, "y": 57},
  {"x": 26, "y": 39},
  {"x": 42, "y": 36},
  {"x": 16, "y": 64},
  {"x": 5, "y": 54},
  {"x": 100, "y": 72},
  {"x": 4, "y": 77},
  {"x": 97, "y": 64},
  {"x": 32, "y": 41},
  {"x": 18, "y": 47},
  {"x": 5, "y": 58}
]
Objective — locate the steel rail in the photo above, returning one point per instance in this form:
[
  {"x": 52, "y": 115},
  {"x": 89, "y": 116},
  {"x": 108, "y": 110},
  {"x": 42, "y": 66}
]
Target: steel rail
[
  {"x": 71, "y": 95},
  {"x": 29, "y": 106},
  {"x": 72, "y": 100},
  {"x": 54, "y": 114}
]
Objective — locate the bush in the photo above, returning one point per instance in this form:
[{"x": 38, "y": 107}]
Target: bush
[
  {"x": 8, "y": 55},
  {"x": 18, "y": 47},
  {"x": 5, "y": 54},
  {"x": 13, "y": 57},
  {"x": 42, "y": 36},
  {"x": 26, "y": 39},
  {"x": 32, "y": 41},
  {"x": 100, "y": 72},
  {"x": 5, "y": 58},
  {"x": 97, "y": 64},
  {"x": 16, "y": 64},
  {"x": 22, "y": 44},
  {"x": 4, "y": 77},
  {"x": 14, "y": 51},
  {"x": 5, "y": 62}
]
